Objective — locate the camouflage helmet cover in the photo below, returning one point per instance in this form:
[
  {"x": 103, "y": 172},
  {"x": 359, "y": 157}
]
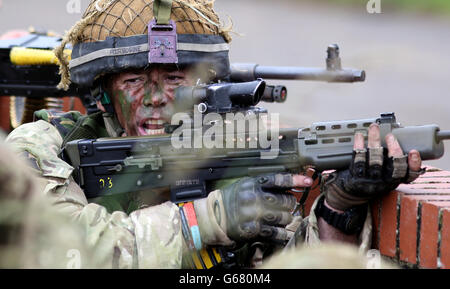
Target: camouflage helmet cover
[{"x": 113, "y": 36}]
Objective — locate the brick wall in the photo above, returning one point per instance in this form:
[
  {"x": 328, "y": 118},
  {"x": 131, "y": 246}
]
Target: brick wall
[{"x": 412, "y": 224}]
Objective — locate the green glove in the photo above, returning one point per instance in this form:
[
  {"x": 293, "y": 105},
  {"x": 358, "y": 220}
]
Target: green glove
[{"x": 250, "y": 209}]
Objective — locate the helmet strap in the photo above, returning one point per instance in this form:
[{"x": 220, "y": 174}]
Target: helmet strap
[
  {"x": 112, "y": 125},
  {"x": 162, "y": 10}
]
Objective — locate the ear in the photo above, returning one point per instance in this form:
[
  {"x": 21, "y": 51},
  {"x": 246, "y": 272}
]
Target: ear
[{"x": 100, "y": 106}]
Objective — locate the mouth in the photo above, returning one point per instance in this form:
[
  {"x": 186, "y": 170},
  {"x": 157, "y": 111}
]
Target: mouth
[{"x": 152, "y": 127}]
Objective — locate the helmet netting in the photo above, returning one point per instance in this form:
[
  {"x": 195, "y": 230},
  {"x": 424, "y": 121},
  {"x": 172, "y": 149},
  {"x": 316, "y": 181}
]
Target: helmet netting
[{"x": 122, "y": 18}]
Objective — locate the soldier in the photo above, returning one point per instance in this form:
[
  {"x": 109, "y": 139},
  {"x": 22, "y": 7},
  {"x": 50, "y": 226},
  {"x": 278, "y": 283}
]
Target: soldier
[{"x": 132, "y": 71}]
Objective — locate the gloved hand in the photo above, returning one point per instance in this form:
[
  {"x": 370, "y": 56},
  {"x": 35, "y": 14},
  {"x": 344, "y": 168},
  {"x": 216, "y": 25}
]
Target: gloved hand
[
  {"x": 374, "y": 171},
  {"x": 253, "y": 208}
]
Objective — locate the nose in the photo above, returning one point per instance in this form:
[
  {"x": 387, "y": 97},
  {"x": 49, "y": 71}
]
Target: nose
[{"x": 155, "y": 98}]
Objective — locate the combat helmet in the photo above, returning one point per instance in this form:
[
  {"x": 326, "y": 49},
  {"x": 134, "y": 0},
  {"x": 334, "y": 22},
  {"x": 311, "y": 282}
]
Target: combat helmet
[{"x": 115, "y": 35}]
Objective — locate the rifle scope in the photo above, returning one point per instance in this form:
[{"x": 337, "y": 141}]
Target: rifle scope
[{"x": 220, "y": 97}]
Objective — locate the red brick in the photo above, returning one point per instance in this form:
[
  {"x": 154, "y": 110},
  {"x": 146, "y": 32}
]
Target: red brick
[
  {"x": 408, "y": 190},
  {"x": 388, "y": 225},
  {"x": 375, "y": 206},
  {"x": 440, "y": 204},
  {"x": 429, "y": 236},
  {"x": 440, "y": 188},
  {"x": 431, "y": 186},
  {"x": 429, "y": 233},
  {"x": 432, "y": 180},
  {"x": 429, "y": 197},
  {"x": 4, "y": 114},
  {"x": 408, "y": 229},
  {"x": 445, "y": 239},
  {"x": 436, "y": 174}
]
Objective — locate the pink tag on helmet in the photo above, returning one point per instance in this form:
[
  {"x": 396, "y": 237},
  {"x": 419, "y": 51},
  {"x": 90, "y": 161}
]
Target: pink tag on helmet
[{"x": 162, "y": 42}]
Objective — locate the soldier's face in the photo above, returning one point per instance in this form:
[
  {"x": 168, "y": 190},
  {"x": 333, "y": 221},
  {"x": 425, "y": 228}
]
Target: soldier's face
[{"x": 143, "y": 99}]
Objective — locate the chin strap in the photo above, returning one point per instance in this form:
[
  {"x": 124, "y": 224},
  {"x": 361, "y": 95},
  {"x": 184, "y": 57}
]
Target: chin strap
[{"x": 112, "y": 124}]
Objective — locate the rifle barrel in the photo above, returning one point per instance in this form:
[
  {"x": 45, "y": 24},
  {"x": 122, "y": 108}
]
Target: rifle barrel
[{"x": 249, "y": 72}]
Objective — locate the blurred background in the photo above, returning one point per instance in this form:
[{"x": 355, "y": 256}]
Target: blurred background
[{"x": 403, "y": 45}]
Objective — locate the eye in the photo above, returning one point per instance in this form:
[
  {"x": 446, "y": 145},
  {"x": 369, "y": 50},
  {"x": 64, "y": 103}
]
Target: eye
[
  {"x": 134, "y": 80},
  {"x": 174, "y": 78}
]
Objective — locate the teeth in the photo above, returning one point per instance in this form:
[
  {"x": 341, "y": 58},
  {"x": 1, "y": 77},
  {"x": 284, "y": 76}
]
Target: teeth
[
  {"x": 154, "y": 131},
  {"x": 155, "y": 121}
]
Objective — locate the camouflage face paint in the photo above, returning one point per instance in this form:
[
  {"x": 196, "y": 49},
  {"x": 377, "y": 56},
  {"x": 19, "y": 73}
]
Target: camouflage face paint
[{"x": 143, "y": 99}]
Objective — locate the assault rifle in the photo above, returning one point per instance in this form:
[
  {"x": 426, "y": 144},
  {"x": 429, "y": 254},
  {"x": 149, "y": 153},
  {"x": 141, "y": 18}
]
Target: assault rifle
[{"x": 111, "y": 166}]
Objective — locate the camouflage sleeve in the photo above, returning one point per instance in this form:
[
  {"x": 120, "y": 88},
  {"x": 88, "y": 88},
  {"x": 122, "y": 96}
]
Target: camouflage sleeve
[
  {"x": 311, "y": 230},
  {"x": 147, "y": 238},
  {"x": 33, "y": 233}
]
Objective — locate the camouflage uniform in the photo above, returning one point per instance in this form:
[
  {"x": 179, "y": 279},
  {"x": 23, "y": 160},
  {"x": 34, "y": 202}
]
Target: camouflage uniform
[
  {"x": 149, "y": 237},
  {"x": 33, "y": 233},
  {"x": 308, "y": 231}
]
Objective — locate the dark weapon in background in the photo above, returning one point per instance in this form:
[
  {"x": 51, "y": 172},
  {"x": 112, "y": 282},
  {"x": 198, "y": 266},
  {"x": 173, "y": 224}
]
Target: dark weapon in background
[{"x": 29, "y": 76}]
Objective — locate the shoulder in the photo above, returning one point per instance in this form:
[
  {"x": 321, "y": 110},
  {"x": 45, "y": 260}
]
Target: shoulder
[
  {"x": 41, "y": 142},
  {"x": 38, "y": 132}
]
